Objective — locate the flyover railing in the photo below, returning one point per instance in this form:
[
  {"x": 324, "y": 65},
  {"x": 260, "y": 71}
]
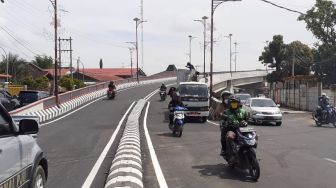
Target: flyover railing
[{"x": 68, "y": 96}]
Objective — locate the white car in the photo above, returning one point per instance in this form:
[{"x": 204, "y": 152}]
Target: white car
[{"x": 261, "y": 110}]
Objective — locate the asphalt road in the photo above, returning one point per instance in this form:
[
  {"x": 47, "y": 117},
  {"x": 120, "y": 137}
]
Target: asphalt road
[
  {"x": 73, "y": 144},
  {"x": 293, "y": 155}
]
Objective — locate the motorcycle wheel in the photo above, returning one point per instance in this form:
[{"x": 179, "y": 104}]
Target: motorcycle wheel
[
  {"x": 179, "y": 133},
  {"x": 254, "y": 168}
]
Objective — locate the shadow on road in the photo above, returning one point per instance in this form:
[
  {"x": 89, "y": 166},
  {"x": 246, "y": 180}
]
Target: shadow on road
[
  {"x": 222, "y": 171},
  {"x": 167, "y": 134}
]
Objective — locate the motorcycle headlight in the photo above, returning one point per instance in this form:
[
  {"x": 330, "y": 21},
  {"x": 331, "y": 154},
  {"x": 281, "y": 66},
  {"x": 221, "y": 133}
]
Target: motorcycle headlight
[{"x": 251, "y": 142}]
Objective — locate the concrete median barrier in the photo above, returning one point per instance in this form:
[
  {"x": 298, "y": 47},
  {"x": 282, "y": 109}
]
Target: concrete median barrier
[{"x": 126, "y": 169}]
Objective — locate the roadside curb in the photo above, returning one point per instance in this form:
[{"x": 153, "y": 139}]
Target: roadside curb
[
  {"x": 126, "y": 169},
  {"x": 294, "y": 112}
]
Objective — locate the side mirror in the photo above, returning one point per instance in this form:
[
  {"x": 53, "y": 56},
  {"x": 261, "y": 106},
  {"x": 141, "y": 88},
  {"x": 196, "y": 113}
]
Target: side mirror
[
  {"x": 28, "y": 126},
  {"x": 278, "y": 105}
]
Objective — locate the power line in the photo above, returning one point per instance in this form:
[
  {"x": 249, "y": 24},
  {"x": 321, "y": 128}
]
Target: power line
[
  {"x": 18, "y": 40},
  {"x": 282, "y": 7}
]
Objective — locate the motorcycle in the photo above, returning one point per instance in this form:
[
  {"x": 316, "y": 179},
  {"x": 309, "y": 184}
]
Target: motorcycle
[
  {"x": 177, "y": 126},
  {"x": 111, "y": 93},
  {"x": 328, "y": 115},
  {"x": 163, "y": 95},
  {"x": 241, "y": 152}
]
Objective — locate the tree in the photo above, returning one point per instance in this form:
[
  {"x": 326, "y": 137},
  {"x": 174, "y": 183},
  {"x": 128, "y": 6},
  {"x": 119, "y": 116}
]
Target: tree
[
  {"x": 78, "y": 83},
  {"x": 281, "y": 56},
  {"x": 302, "y": 56},
  {"x": 16, "y": 67},
  {"x": 41, "y": 83},
  {"x": 321, "y": 21},
  {"x": 101, "y": 64},
  {"x": 28, "y": 81},
  {"x": 43, "y": 62},
  {"x": 67, "y": 83},
  {"x": 274, "y": 53}
]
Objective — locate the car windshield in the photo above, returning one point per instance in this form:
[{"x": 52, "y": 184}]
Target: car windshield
[
  {"x": 193, "y": 90},
  {"x": 243, "y": 96},
  {"x": 262, "y": 103},
  {"x": 28, "y": 97}
]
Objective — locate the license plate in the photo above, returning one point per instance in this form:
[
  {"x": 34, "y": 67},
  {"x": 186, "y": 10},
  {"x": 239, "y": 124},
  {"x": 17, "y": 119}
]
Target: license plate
[
  {"x": 193, "y": 113},
  {"x": 269, "y": 118},
  {"x": 246, "y": 129}
]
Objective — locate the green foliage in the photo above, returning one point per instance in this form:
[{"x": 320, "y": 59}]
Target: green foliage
[
  {"x": 321, "y": 21},
  {"x": 78, "y": 83},
  {"x": 67, "y": 83},
  {"x": 40, "y": 83},
  {"x": 43, "y": 62},
  {"x": 281, "y": 56},
  {"x": 29, "y": 81},
  {"x": 16, "y": 67}
]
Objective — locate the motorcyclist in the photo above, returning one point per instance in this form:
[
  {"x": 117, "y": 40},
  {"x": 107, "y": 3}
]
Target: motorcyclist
[
  {"x": 225, "y": 95},
  {"x": 171, "y": 91},
  {"x": 323, "y": 102},
  {"x": 233, "y": 116},
  {"x": 163, "y": 87},
  {"x": 111, "y": 86},
  {"x": 176, "y": 101}
]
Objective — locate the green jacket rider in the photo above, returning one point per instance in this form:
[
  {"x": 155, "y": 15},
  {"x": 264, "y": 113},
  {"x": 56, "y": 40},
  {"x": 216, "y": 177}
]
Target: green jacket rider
[{"x": 232, "y": 117}]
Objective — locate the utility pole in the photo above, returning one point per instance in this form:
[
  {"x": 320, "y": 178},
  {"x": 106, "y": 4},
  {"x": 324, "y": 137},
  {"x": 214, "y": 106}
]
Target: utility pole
[
  {"x": 59, "y": 58},
  {"x": 54, "y": 3},
  {"x": 131, "y": 55},
  {"x": 142, "y": 47},
  {"x": 71, "y": 58},
  {"x": 78, "y": 60},
  {"x": 235, "y": 43},
  {"x": 66, "y": 50}
]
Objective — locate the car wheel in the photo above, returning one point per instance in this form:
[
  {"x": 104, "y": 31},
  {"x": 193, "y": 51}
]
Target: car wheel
[
  {"x": 39, "y": 178},
  {"x": 278, "y": 123},
  {"x": 204, "y": 119}
]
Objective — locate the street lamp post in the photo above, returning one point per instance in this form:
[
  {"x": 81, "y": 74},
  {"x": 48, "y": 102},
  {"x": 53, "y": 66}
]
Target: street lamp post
[
  {"x": 190, "y": 39},
  {"x": 137, "y": 23},
  {"x": 203, "y": 21},
  {"x": 131, "y": 52},
  {"x": 6, "y": 63},
  {"x": 214, "y": 5},
  {"x": 131, "y": 55}
]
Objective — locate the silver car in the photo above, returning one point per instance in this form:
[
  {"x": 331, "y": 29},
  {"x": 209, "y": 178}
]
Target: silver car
[
  {"x": 22, "y": 163},
  {"x": 261, "y": 110}
]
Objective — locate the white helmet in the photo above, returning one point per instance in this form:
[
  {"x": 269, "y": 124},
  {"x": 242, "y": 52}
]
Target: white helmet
[{"x": 324, "y": 95}]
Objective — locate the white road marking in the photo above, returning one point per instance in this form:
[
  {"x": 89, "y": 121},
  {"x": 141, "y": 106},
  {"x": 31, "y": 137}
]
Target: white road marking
[
  {"x": 214, "y": 123},
  {"x": 68, "y": 114},
  {"x": 102, "y": 156},
  {"x": 330, "y": 160},
  {"x": 158, "y": 172}
]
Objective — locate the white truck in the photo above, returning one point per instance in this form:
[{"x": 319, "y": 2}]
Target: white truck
[{"x": 195, "y": 97}]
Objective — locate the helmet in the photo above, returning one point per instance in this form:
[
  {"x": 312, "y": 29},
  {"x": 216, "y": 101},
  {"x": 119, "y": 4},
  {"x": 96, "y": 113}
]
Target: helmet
[
  {"x": 111, "y": 82},
  {"x": 225, "y": 94},
  {"x": 234, "y": 104},
  {"x": 324, "y": 95}
]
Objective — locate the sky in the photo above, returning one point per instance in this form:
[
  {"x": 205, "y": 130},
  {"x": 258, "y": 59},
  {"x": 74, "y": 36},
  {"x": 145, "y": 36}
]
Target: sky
[{"x": 100, "y": 29}]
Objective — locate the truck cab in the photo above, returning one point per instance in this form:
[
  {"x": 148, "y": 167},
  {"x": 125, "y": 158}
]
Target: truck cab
[{"x": 195, "y": 97}]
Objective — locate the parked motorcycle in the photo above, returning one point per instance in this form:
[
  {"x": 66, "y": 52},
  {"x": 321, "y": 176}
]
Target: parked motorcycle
[
  {"x": 177, "y": 126},
  {"x": 326, "y": 116},
  {"x": 163, "y": 95},
  {"x": 241, "y": 152},
  {"x": 111, "y": 93}
]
